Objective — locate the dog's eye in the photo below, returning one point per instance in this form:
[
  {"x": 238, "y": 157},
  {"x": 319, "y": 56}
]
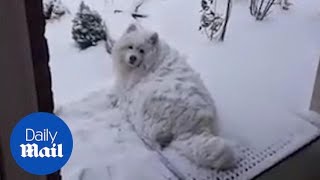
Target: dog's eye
[
  {"x": 141, "y": 51},
  {"x": 130, "y": 47}
]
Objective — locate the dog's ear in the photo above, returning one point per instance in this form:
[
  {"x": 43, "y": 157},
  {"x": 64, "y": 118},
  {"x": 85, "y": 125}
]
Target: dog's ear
[
  {"x": 154, "y": 38},
  {"x": 131, "y": 28}
]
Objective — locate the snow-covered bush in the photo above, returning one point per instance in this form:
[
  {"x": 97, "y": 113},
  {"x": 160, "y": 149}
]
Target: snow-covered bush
[
  {"x": 213, "y": 24},
  {"x": 260, "y": 8},
  {"x": 53, "y": 9},
  {"x": 210, "y": 20},
  {"x": 88, "y": 27}
]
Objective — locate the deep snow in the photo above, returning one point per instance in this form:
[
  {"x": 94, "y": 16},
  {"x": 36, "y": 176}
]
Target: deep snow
[{"x": 260, "y": 77}]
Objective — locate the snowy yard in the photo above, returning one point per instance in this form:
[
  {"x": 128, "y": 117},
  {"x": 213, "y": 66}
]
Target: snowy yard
[{"x": 260, "y": 77}]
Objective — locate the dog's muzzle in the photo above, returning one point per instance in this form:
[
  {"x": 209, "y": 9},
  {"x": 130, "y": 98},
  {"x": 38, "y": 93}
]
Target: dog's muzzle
[{"x": 134, "y": 62}]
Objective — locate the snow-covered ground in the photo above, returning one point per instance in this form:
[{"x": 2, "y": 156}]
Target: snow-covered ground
[{"x": 260, "y": 77}]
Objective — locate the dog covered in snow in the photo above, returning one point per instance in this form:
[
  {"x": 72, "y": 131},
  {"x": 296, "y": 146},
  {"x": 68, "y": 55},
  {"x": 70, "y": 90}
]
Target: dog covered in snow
[{"x": 166, "y": 100}]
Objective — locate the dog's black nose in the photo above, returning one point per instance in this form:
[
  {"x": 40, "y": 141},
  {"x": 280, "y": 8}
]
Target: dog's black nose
[{"x": 132, "y": 59}]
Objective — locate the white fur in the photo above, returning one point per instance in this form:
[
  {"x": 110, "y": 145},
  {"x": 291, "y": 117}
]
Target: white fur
[{"x": 166, "y": 100}]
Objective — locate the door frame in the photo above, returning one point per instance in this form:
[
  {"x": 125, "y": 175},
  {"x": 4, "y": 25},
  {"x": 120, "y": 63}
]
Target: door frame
[{"x": 25, "y": 76}]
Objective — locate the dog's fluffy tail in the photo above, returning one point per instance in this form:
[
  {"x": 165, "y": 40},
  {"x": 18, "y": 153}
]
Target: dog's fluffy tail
[{"x": 206, "y": 150}]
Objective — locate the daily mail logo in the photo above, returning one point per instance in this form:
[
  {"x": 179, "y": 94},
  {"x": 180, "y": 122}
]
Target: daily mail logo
[
  {"x": 32, "y": 150},
  {"x": 41, "y": 143}
]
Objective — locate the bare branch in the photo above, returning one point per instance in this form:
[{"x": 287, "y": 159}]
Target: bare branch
[
  {"x": 135, "y": 14},
  {"x": 136, "y": 9},
  {"x": 260, "y": 9},
  {"x": 224, "y": 28},
  {"x": 117, "y": 11}
]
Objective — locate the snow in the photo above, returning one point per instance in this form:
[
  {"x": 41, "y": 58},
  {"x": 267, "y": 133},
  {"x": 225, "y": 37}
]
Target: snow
[{"x": 260, "y": 78}]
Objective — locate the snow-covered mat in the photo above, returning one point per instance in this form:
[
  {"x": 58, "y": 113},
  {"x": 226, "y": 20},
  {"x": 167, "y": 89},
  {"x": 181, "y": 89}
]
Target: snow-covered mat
[
  {"x": 253, "y": 161},
  {"x": 106, "y": 147}
]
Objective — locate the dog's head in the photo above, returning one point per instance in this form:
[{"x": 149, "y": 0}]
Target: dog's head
[{"x": 136, "y": 47}]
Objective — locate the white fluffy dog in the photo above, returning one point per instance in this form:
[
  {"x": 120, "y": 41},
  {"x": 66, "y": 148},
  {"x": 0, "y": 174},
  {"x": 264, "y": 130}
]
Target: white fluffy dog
[{"x": 166, "y": 100}]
